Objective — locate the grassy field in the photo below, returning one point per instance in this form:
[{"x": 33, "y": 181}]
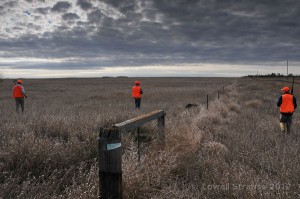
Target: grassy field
[{"x": 232, "y": 150}]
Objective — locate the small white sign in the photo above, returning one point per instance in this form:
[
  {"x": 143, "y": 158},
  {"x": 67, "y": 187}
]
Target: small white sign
[{"x": 113, "y": 146}]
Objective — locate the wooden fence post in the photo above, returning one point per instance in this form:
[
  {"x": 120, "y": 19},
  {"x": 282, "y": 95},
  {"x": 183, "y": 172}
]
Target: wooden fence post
[
  {"x": 138, "y": 143},
  {"x": 161, "y": 127},
  {"x": 207, "y": 101},
  {"x": 110, "y": 163}
]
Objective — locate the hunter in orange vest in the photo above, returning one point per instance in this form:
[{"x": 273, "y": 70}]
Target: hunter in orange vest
[
  {"x": 287, "y": 104},
  {"x": 137, "y": 94},
  {"x": 18, "y": 95}
]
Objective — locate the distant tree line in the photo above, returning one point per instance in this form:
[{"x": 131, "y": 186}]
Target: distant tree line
[
  {"x": 115, "y": 77},
  {"x": 273, "y": 75}
]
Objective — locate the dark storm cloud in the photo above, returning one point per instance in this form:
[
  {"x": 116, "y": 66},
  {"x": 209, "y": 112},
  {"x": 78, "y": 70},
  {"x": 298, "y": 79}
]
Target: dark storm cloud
[
  {"x": 84, "y": 4},
  {"x": 61, "y": 6},
  {"x": 125, "y": 6},
  {"x": 95, "y": 16},
  {"x": 2, "y": 10},
  {"x": 43, "y": 11},
  {"x": 10, "y": 4},
  {"x": 248, "y": 25},
  {"x": 33, "y": 26},
  {"x": 31, "y": 1},
  {"x": 70, "y": 16},
  {"x": 164, "y": 32}
]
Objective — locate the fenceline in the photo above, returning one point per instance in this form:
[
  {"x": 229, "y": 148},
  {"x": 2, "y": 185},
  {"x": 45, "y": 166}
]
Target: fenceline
[
  {"x": 110, "y": 151},
  {"x": 207, "y": 98}
]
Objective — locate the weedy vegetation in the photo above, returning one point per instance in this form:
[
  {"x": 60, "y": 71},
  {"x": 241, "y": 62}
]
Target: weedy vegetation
[{"x": 232, "y": 150}]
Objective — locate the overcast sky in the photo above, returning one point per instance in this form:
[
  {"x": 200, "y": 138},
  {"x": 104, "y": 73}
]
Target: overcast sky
[{"x": 92, "y": 38}]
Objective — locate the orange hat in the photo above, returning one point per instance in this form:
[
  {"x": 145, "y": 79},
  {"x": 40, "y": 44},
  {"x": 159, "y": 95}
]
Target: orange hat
[
  {"x": 137, "y": 82},
  {"x": 286, "y": 89},
  {"x": 19, "y": 81}
]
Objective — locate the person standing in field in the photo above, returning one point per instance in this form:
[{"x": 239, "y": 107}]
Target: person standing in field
[
  {"x": 137, "y": 94},
  {"x": 18, "y": 95},
  {"x": 287, "y": 104}
]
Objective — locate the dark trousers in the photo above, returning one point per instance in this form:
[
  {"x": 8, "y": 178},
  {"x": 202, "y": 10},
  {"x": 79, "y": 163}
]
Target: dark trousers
[
  {"x": 19, "y": 101},
  {"x": 137, "y": 102},
  {"x": 287, "y": 120}
]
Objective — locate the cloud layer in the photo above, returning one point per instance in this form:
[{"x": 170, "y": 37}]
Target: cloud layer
[{"x": 87, "y": 34}]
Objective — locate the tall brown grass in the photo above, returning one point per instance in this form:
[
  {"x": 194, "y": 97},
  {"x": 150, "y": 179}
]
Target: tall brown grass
[{"x": 232, "y": 150}]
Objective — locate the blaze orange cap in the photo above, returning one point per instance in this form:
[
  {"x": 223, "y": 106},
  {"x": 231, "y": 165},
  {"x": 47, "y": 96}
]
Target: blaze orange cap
[
  {"x": 137, "y": 82},
  {"x": 19, "y": 81},
  {"x": 286, "y": 89}
]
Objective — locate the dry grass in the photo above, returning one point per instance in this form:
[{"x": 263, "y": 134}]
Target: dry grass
[
  {"x": 255, "y": 103},
  {"x": 232, "y": 150}
]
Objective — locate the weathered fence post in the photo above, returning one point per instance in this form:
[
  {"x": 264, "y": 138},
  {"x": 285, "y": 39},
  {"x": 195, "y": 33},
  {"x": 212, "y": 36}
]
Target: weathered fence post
[
  {"x": 161, "y": 127},
  {"x": 138, "y": 143},
  {"x": 207, "y": 101},
  {"x": 110, "y": 167}
]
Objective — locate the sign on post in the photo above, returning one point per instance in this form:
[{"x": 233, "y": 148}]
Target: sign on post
[{"x": 110, "y": 163}]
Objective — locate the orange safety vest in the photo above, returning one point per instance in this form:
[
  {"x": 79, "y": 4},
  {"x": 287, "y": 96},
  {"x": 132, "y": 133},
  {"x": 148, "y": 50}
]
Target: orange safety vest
[
  {"x": 287, "y": 105},
  {"x": 136, "y": 92},
  {"x": 17, "y": 92}
]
